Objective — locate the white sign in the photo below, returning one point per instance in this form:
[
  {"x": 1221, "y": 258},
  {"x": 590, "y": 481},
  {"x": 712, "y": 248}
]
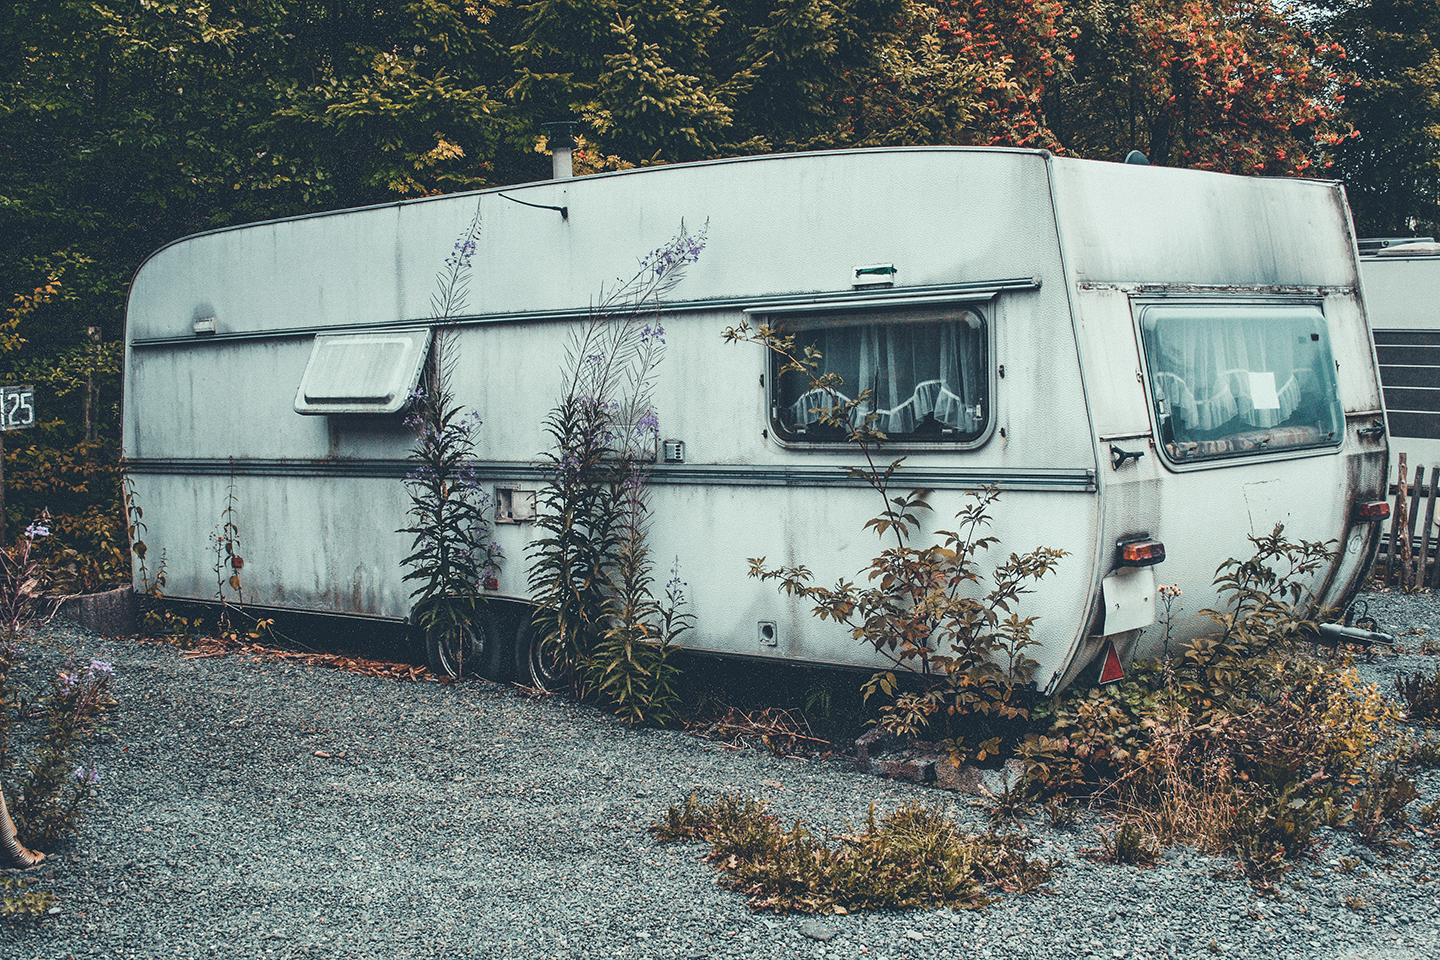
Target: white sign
[
  {"x": 1262, "y": 391},
  {"x": 17, "y": 408}
]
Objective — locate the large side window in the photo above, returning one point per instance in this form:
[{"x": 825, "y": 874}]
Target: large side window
[
  {"x": 1232, "y": 380},
  {"x": 927, "y": 374}
]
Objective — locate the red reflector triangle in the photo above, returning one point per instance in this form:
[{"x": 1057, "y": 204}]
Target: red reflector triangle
[{"x": 1111, "y": 670}]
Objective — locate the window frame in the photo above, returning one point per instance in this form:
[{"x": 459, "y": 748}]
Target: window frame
[
  {"x": 928, "y": 311},
  {"x": 1141, "y": 306}
]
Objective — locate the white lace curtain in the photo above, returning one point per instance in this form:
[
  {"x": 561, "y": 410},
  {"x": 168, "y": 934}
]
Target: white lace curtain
[
  {"x": 913, "y": 370},
  {"x": 1210, "y": 370}
]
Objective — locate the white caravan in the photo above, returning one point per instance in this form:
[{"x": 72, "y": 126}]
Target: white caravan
[
  {"x": 1401, "y": 280},
  {"x": 1134, "y": 355}
]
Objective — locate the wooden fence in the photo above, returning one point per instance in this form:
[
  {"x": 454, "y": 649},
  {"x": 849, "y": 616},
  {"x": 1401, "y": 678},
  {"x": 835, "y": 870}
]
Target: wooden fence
[{"x": 1410, "y": 552}]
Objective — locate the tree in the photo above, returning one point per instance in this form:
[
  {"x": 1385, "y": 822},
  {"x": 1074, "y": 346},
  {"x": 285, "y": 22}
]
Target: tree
[
  {"x": 1392, "y": 168},
  {"x": 1232, "y": 85}
]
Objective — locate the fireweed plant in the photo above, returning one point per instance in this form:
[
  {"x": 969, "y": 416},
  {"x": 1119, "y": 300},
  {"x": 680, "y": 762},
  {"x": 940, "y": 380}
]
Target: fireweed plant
[
  {"x": 451, "y": 550},
  {"x": 601, "y": 632},
  {"x": 55, "y": 785},
  {"x": 960, "y": 672}
]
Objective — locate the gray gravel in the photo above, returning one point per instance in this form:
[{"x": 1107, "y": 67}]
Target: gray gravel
[{"x": 473, "y": 820}]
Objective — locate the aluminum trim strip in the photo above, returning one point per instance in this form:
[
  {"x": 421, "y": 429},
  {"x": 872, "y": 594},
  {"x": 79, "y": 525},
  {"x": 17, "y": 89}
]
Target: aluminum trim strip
[
  {"x": 956, "y": 292},
  {"x": 746, "y": 475}
]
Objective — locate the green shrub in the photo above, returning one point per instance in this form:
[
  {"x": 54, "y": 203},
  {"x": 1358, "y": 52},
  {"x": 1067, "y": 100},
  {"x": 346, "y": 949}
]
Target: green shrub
[
  {"x": 958, "y": 647},
  {"x": 19, "y": 898},
  {"x": 592, "y": 574},
  {"x": 1242, "y": 744},
  {"x": 912, "y": 858},
  {"x": 1421, "y": 694},
  {"x": 1129, "y": 843}
]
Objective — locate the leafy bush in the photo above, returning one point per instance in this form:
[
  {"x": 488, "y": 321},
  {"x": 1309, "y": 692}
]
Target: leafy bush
[
  {"x": 1128, "y": 843},
  {"x": 1382, "y": 804},
  {"x": 1241, "y": 744},
  {"x": 915, "y": 857},
  {"x": 20, "y": 898},
  {"x": 451, "y": 552},
  {"x": 56, "y": 784},
  {"x": 1421, "y": 694},
  {"x": 961, "y": 671}
]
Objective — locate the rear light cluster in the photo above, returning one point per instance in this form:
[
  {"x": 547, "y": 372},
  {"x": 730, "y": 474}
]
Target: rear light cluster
[
  {"x": 1141, "y": 553},
  {"x": 1371, "y": 509}
]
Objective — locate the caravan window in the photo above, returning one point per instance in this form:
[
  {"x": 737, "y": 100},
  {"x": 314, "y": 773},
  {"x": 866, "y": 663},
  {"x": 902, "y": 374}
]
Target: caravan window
[
  {"x": 927, "y": 375},
  {"x": 1234, "y": 380}
]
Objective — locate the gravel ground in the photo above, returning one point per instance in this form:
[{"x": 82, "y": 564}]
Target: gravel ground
[{"x": 474, "y": 820}]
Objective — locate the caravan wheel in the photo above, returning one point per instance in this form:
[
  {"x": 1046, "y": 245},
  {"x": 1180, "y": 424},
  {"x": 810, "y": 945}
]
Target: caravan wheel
[
  {"x": 463, "y": 650},
  {"x": 537, "y": 663}
]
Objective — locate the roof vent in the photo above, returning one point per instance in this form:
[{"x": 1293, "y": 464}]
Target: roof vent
[{"x": 561, "y": 134}]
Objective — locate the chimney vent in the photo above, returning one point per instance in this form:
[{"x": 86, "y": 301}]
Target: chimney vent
[{"x": 561, "y": 134}]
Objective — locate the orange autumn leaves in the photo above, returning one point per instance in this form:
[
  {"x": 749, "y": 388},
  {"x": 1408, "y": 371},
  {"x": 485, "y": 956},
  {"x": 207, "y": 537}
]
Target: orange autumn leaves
[{"x": 1231, "y": 85}]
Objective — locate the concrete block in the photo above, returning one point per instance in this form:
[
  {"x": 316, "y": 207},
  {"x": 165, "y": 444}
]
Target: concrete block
[{"x": 110, "y": 614}]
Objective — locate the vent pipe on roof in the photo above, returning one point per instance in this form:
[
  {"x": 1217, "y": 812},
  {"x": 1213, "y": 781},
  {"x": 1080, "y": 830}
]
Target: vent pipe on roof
[{"x": 561, "y": 134}]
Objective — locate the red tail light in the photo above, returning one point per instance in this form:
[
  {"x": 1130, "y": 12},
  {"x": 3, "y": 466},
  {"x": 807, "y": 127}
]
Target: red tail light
[
  {"x": 1372, "y": 509},
  {"x": 1141, "y": 553}
]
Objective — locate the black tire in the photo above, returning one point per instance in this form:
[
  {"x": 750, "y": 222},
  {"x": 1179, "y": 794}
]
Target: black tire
[
  {"x": 461, "y": 651},
  {"x": 538, "y": 664},
  {"x": 500, "y": 655}
]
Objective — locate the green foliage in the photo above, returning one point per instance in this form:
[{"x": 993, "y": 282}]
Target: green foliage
[
  {"x": 1424, "y": 752},
  {"x": 1241, "y": 744},
  {"x": 961, "y": 670},
  {"x": 1421, "y": 693},
  {"x": 1236, "y": 86},
  {"x": 915, "y": 857},
  {"x": 1381, "y": 804},
  {"x": 633, "y": 669},
  {"x": 591, "y": 574},
  {"x": 1390, "y": 166},
  {"x": 19, "y": 898},
  {"x": 1128, "y": 843},
  {"x": 55, "y": 786},
  {"x": 451, "y": 552}
]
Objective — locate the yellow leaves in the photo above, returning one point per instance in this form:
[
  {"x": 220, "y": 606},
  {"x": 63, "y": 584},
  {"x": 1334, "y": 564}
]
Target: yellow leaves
[{"x": 443, "y": 150}]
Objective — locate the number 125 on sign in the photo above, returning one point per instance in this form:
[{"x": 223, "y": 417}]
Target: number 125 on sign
[{"x": 17, "y": 408}]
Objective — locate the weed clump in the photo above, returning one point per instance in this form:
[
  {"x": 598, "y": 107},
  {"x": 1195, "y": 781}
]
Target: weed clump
[
  {"x": 603, "y": 625},
  {"x": 51, "y": 793},
  {"x": 914, "y": 857},
  {"x": 1421, "y": 694},
  {"x": 1128, "y": 843},
  {"x": 20, "y": 898},
  {"x": 1241, "y": 745}
]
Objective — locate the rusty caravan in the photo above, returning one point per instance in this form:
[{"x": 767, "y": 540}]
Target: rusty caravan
[{"x": 1136, "y": 356}]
